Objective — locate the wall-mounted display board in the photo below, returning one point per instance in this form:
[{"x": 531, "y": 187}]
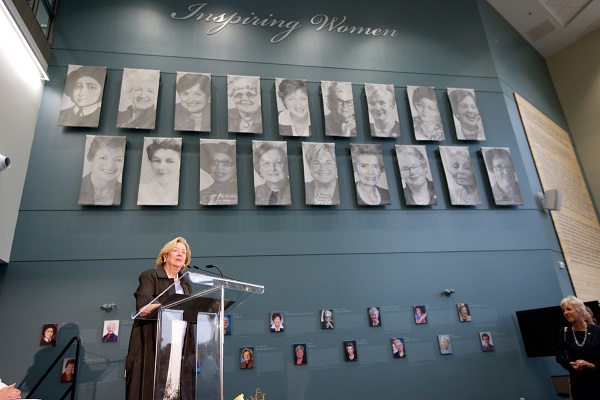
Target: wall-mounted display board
[{"x": 576, "y": 223}]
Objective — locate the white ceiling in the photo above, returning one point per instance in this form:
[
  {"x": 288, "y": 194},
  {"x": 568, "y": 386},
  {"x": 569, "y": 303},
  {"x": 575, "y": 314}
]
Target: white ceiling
[{"x": 550, "y": 25}]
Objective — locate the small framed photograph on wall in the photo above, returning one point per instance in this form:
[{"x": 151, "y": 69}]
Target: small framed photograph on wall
[
  {"x": 420, "y": 314},
  {"x": 300, "y": 354},
  {"x": 247, "y": 358},
  {"x": 398, "y": 350},
  {"x": 326, "y": 318},
  {"x": 464, "y": 315},
  {"x": 487, "y": 343},
  {"x": 445, "y": 344},
  {"x": 68, "y": 370},
  {"x": 374, "y": 316},
  {"x": 48, "y": 337},
  {"x": 111, "y": 331},
  {"x": 227, "y": 324},
  {"x": 276, "y": 318},
  {"x": 350, "y": 351}
]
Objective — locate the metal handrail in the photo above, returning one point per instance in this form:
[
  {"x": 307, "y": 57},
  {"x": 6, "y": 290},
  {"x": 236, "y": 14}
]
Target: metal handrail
[{"x": 73, "y": 385}]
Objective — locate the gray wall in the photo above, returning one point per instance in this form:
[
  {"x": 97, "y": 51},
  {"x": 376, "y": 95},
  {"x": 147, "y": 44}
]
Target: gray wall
[{"x": 68, "y": 260}]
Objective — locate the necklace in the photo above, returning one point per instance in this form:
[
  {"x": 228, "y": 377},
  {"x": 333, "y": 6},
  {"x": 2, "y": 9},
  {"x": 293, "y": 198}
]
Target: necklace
[{"x": 585, "y": 333}]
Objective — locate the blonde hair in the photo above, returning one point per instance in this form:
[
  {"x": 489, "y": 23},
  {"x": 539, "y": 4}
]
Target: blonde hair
[
  {"x": 575, "y": 302},
  {"x": 168, "y": 247}
]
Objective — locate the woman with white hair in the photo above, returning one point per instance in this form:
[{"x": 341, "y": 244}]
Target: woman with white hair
[{"x": 578, "y": 350}]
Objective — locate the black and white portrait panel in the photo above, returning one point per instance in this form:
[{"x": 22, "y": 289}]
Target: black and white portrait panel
[
  {"x": 82, "y": 97},
  {"x": 192, "y": 102},
  {"x": 465, "y": 110},
  {"x": 338, "y": 108},
  {"x": 460, "y": 175},
  {"x": 383, "y": 111},
  {"x": 320, "y": 174},
  {"x": 417, "y": 182},
  {"x": 159, "y": 177},
  {"x": 292, "y": 107},
  {"x": 427, "y": 121},
  {"x": 139, "y": 97},
  {"x": 503, "y": 178},
  {"x": 369, "y": 175},
  {"x": 271, "y": 176},
  {"x": 102, "y": 177},
  {"x": 244, "y": 112},
  {"x": 326, "y": 318},
  {"x": 218, "y": 172}
]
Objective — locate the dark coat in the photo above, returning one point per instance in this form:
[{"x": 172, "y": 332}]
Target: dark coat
[
  {"x": 86, "y": 193},
  {"x": 139, "y": 366},
  {"x": 69, "y": 117}
]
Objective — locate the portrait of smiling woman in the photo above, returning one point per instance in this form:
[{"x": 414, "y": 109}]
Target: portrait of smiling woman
[
  {"x": 102, "y": 171},
  {"x": 292, "y": 104},
  {"x": 139, "y": 96},
  {"x": 271, "y": 180},
  {"x": 159, "y": 179},
  {"x": 416, "y": 176},
  {"x": 467, "y": 119},
  {"x": 460, "y": 176},
  {"x": 369, "y": 176},
  {"x": 82, "y": 96},
  {"x": 218, "y": 175},
  {"x": 320, "y": 174},
  {"x": 192, "y": 102},
  {"x": 383, "y": 112},
  {"x": 244, "y": 105}
]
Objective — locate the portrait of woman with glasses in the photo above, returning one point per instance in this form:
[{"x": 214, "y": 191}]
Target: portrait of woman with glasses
[
  {"x": 218, "y": 173},
  {"x": 339, "y": 112},
  {"x": 416, "y": 176}
]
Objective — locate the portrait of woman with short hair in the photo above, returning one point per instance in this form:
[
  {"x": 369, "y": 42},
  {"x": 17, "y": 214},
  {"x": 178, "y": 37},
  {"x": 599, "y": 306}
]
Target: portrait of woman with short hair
[
  {"x": 383, "y": 111},
  {"x": 338, "y": 108},
  {"x": 82, "y": 96},
  {"x": 350, "y": 352},
  {"x": 467, "y": 119},
  {"x": 244, "y": 112},
  {"x": 502, "y": 175},
  {"x": 460, "y": 175},
  {"x": 192, "y": 102},
  {"x": 292, "y": 107},
  {"x": 139, "y": 99},
  {"x": 326, "y": 319},
  {"x": 369, "y": 175},
  {"x": 320, "y": 174},
  {"x": 159, "y": 177},
  {"x": 276, "y": 318},
  {"x": 427, "y": 120},
  {"x": 271, "y": 176},
  {"x": 218, "y": 172},
  {"x": 417, "y": 182},
  {"x": 49, "y": 332}
]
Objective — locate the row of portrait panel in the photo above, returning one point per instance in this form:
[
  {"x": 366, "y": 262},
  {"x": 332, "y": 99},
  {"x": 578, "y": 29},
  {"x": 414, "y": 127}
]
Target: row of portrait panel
[
  {"x": 84, "y": 86},
  {"x": 350, "y": 348},
  {"x": 101, "y": 182}
]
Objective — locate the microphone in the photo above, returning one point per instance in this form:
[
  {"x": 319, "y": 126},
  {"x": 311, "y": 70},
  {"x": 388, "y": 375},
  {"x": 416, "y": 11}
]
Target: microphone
[
  {"x": 192, "y": 266},
  {"x": 214, "y": 266}
]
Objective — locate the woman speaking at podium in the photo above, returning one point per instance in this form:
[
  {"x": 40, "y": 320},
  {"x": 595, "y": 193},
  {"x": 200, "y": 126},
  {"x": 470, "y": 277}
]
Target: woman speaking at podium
[{"x": 139, "y": 367}]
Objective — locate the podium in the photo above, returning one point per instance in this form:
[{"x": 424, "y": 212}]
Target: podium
[{"x": 189, "y": 362}]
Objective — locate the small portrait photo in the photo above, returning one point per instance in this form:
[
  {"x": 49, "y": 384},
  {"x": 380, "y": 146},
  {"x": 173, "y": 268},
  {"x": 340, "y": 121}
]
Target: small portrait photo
[
  {"x": 102, "y": 176},
  {"x": 383, "y": 112},
  {"x": 292, "y": 106},
  {"x": 326, "y": 318},
  {"x": 218, "y": 172},
  {"x": 350, "y": 353},
  {"x": 300, "y": 354},
  {"x": 487, "y": 343},
  {"x": 247, "y": 358},
  {"x": 227, "y": 324},
  {"x": 48, "y": 337},
  {"x": 68, "y": 370},
  {"x": 417, "y": 182},
  {"x": 464, "y": 315},
  {"x": 110, "y": 331},
  {"x": 320, "y": 174},
  {"x": 369, "y": 175},
  {"x": 445, "y": 344},
  {"x": 82, "y": 97},
  {"x": 502, "y": 175},
  {"x": 420, "y": 314},
  {"x": 425, "y": 112},
  {"x": 244, "y": 104},
  {"x": 338, "y": 108},
  {"x": 276, "y": 320},
  {"x": 159, "y": 176},
  {"x": 467, "y": 120},
  {"x": 271, "y": 176},
  {"x": 398, "y": 350},
  {"x": 192, "y": 102},
  {"x": 374, "y": 316},
  {"x": 460, "y": 176},
  {"x": 139, "y": 96}
]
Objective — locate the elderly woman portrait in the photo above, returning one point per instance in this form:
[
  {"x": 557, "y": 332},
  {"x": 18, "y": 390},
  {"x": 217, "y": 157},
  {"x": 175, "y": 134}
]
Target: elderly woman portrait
[
  {"x": 102, "y": 171},
  {"x": 339, "y": 108},
  {"x": 578, "y": 350},
  {"x": 192, "y": 103},
  {"x": 159, "y": 179},
  {"x": 367, "y": 161},
  {"x": 503, "y": 178},
  {"x": 247, "y": 361},
  {"x": 244, "y": 106},
  {"x": 300, "y": 356},
  {"x": 427, "y": 120},
  {"x": 383, "y": 112},
  {"x": 82, "y": 97},
  {"x": 398, "y": 348},
  {"x": 139, "y": 96},
  {"x": 327, "y": 319},
  {"x": 416, "y": 176},
  {"x": 321, "y": 181},
  {"x": 218, "y": 175},
  {"x": 445, "y": 344},
  {"x": 467, "y": 120},
  {"x": 110, "y": 327},
  {"x": 162, "y": 281},
  {"x": 292, "y": 104},
  {"x": 271, "y": 180},
  {"x": 460, "y": 176},
  {"x": 374, "y": 316}
]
